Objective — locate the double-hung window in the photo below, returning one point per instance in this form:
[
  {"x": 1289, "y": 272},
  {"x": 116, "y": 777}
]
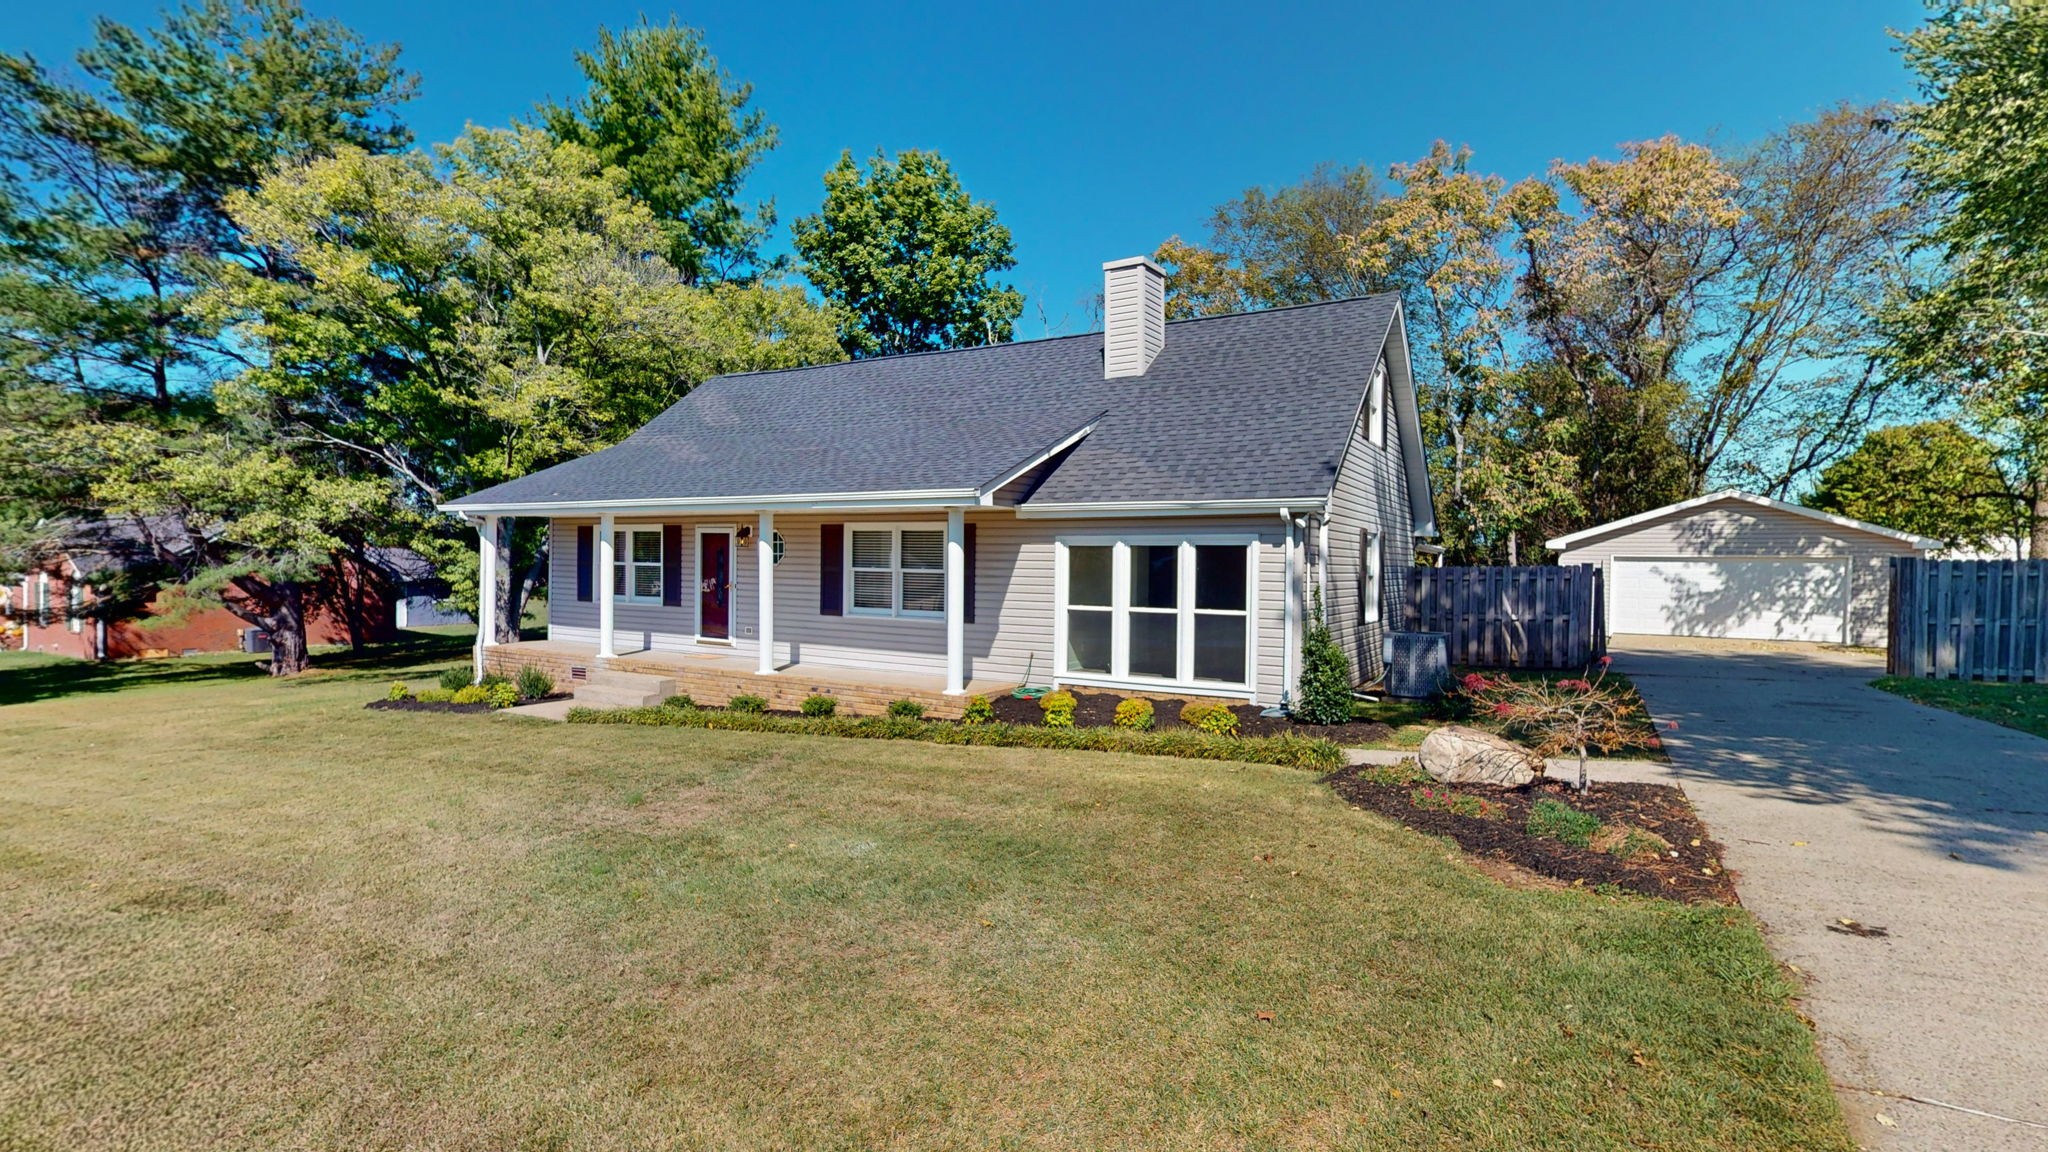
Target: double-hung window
[
  {"x": 1163, "y": 609},
  {"x": 76, "y": 607},
  {"x": 897, "y": 571},
  {"x": 1369, "y": 585},
  {"x": 636, "y": 565},
  {"x": 1376, "y": 407}
]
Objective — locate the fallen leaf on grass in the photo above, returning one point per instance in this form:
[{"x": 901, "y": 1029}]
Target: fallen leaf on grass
[
  {"x": 1499, "y": 1083},
  {"x": 1265, "y": 1018}
]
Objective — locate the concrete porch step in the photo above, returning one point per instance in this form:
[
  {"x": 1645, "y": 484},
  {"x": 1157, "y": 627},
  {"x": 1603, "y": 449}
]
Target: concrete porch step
[{"x": 608, "y": 688}]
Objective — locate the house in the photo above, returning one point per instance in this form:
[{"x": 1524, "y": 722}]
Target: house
[
  {"x": 66, "y": 606},
  {"x": 1744, "y": 566},
  {"x": 1147, "y": 508}
]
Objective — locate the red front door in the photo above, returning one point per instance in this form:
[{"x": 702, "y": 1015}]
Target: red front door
[{"x": 714, "y": 585}]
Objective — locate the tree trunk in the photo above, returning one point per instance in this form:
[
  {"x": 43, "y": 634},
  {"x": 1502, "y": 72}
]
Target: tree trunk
[
  {"x": 521, "y": 591},
  {"x": 2037, "y": 537},
  {"x": 288, "y": 631}
]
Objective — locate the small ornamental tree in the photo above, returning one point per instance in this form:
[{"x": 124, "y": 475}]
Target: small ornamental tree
[
  {"x": 1325, "y": 673},
  {"x": 1558, "y": 716}
]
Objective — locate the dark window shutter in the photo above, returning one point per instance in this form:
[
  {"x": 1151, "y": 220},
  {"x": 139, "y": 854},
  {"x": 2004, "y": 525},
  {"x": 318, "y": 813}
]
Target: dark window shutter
[
  {"x": 585, "y": 538},
  {"x": 832, "y": 570},
  {"x": 967, "y": 599},
  {"x": 672, "y": 565}
]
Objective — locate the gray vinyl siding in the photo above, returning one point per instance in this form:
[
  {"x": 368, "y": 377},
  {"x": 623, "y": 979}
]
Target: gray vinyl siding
[
  {"x": 1738, "y": 528},
  {"x": 1371, "y": 494},
  {"x": 1013, "y": 628}
]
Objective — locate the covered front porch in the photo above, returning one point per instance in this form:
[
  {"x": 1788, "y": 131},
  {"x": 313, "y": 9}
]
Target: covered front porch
[
  {"x": 854, "y": 603},
  {"x": 716, "y": 677}
]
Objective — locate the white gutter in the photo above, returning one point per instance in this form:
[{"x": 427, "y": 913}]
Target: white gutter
[
  {"x": 1037, "y": 510},
  {"x": 938, "y": 498}
]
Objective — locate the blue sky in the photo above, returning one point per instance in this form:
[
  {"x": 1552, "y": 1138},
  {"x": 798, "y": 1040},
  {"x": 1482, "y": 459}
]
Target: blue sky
[{"x": 1100, "y": 129}]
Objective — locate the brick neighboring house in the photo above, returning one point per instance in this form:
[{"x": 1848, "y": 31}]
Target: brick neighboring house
[{"x": 57, "y": 609}]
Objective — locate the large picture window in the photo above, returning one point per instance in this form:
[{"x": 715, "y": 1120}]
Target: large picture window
[
  {"x": 897, "y": 571},
  {"x": 636, "y": 565},
  {"x": 1160, "y": 609}
]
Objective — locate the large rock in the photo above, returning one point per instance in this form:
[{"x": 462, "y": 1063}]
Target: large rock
[{"x": 1457, "y": 755}]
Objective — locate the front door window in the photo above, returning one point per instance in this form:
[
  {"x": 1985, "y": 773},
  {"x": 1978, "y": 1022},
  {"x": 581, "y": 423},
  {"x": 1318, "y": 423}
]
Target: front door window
[{"x": 714, "y": 585}]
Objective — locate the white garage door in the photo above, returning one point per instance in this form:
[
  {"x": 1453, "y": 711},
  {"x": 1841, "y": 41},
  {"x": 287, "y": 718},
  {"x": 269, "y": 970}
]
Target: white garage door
[{"x": 1743, "y": 599}]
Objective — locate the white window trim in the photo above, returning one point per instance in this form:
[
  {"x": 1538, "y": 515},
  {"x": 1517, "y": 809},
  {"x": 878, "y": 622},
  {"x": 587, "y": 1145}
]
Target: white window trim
[
  {"x": 1120, "y": 593},
  {"x": 896, "y": 529},
  {"x": 622, "y": 557},
  {"x": 1376, "y": 407},
  {"x": 1372, "y": 573},
  {"x": 75, "y": 608},
  {"x": 732, "y": 604}
]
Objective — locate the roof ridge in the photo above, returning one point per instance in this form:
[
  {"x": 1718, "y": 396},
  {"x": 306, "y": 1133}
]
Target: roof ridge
[{"x": 1184, "y": 320}]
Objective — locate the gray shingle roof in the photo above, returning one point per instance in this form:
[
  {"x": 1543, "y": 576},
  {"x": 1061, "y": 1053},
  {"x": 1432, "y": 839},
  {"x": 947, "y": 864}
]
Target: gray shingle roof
[{"x": 1246, "y": 407}]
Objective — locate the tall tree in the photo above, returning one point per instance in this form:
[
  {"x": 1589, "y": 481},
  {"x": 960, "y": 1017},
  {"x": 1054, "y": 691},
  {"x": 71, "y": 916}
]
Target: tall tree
[
  {"x": 1287, "y": 246},
  {"x": 659, "y": 107},
  {"x": 111, "y": 195},
  {"x": 909, "y": 257},
  {"x": 1932, "y": 479},
  {"x": 465, "y": 318},
  {"x": 1976, "y": 327}
]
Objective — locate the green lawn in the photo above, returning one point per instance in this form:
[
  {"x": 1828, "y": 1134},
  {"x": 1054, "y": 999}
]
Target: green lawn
[
  {"x": 2021, "y": 706},
  {"x": 245, "y": 913}
]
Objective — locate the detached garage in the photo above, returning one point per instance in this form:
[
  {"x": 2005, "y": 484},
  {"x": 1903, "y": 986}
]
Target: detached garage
[{"x": 1746, "y": 567}]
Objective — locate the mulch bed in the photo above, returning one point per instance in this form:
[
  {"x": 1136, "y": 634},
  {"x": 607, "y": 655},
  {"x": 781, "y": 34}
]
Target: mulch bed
[
  {"x": 1694, "y": 876},
  {"x": 425, "y": 706},
  {"x": 1098, "y": 710}
]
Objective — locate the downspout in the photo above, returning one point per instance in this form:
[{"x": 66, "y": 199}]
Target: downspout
[{"x": 1289, "y": 620}]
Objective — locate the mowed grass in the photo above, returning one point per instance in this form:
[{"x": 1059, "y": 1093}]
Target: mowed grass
[
  {"x": 249, "y": 914},
  {"x": 2021, "y": 706}
]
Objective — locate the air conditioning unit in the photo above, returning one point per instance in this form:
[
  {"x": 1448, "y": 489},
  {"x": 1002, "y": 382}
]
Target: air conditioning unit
[
  {"x": 255, "y": 640},
  {"x": 1418, "y": 664}
]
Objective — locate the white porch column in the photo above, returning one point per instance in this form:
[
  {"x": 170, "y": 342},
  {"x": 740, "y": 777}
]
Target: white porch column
[
  {"x": 486, "y": 589},
  {"x": 956, "y": 602},
  {"x": 604, "y": 587},
  {"x": 764, "y": 555}
]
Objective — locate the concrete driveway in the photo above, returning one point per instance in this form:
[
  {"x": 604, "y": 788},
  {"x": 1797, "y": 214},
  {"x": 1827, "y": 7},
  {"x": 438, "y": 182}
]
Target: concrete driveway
[{"x": 1836, "y": 801}]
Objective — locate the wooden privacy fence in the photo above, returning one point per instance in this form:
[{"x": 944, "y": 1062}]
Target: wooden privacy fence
[
  {"x": 1532, "y": 616},
  {"x": 1969, "y": 619}
]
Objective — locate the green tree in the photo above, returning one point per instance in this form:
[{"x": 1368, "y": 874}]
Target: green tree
[
  {"x": 465, "y": 318},
  {"x": 1287, "y": 246},
  {"x": 1976, "y": 327},
  {"x": 908, "y": 257},
  {"x": 239, "y": 522},
  {"x": 1932, "y": 479},
  {"x": 660, "y": 108}
]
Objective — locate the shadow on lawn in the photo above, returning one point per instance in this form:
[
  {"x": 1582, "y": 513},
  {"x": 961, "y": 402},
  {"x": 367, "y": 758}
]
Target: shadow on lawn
[{"x": 31, "y": 680}]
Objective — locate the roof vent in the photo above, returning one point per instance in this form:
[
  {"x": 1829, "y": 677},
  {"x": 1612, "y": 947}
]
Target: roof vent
[{"x": 1133, "y": 316}]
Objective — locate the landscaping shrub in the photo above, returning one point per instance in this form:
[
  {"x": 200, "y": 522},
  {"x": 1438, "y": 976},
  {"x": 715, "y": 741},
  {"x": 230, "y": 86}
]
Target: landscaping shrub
[
  {"x": 1058, "y": 708},
  {"x": 1285, "y": 751},
  {"x": 534, "y": 683},
  {"x": 398, "y": 691},
  {"x": 470, "y": 694},
  {"x": 680, "y": 702},
  {"x": 1554, "y": 716},
  {"x": 747, "y": 702},
  {"x": 490, "y": 678},
  {"x": 1556, "y": 820},
  {"x": 1135, "y": 712},
  {"x": 1191, "y": 713},
  {"x": 1405, "y": 772},
  {"x": 455, "y": 679},
  {"x": 437, "y": 696},
  {"x": 1325, "y": 689},
  {"x": 500, "y": 695},
  {"x": 818, "y": 706},
  {"x": 906, "y": 709},
  {"x": 1219, "y": 721},
  {"x": 1458, "y": 803},
  {"x": 978, "y": 711}
]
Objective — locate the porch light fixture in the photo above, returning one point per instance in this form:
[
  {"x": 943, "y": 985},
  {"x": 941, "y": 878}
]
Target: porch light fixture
[{"x": 746, "y": 536}]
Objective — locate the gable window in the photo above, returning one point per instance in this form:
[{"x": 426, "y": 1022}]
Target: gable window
[
  {"x": 1376, "y": 407},
  {"x": 1155, "y": 609},
  {"x": 896, "y": 571},
  {"x": 636, "y": 565},
  {"x": 1369, "y": 586}
]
